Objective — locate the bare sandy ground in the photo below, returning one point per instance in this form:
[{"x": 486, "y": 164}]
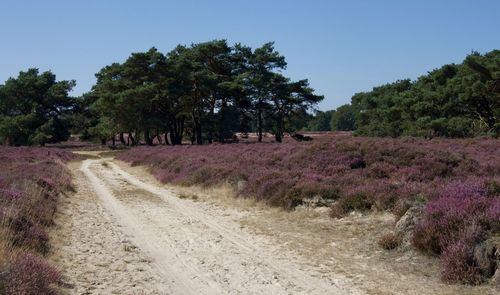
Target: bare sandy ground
[
  {"x": 95, "y": 255},
  {"x": 124, "y": 233}
]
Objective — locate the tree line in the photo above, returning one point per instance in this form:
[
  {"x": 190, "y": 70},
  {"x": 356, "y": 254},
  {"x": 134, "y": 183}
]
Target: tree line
[
  {"x": 203, "y": 93},
  {"x": 207, "y": 92},
  {"x": 456, "y": 100}
]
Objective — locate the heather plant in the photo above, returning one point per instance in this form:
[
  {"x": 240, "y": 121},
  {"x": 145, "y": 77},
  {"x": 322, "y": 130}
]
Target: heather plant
[
  {"x": 31, "y": 180},
  {"x": 30, "y": 274},
  {"x": 458, "y": 262},
  {"x": 354, "y": 202},
  {"x": 460, "y": 205},
  {"x": 453, "y": 224},
  {"x": 330, "y": 167}
]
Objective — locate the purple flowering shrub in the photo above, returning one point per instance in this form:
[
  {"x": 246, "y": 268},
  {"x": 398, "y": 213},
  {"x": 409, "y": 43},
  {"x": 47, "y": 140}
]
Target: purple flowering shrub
[
  {"x": 333, "y": 167},
  {"x": 458, "y": 178},
  {"x": 31, "y": 274},
  {"x": 31, "y": 180},
  {"x": 464, "y": 214}
]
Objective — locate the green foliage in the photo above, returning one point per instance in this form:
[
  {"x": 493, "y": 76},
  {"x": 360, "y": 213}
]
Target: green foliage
[
  {"x": 321, "y": 121},
  {"x": 343, "y": 119},
  {"x": 299, "y": 120},
  {"x": 208, "y": 91},
  {"x": 33, "y": 108},
  {"x": 205, "y": 93},
  {"x": 453, "y": 101}
]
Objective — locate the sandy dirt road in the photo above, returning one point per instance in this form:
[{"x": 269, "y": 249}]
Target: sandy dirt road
[
  {"x": 175, "y": 246},
  {"x": 124, "y": 233}
]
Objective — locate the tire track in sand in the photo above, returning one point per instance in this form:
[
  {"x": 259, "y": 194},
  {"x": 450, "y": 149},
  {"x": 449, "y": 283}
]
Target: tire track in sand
[{"x": 200, "y": 253}]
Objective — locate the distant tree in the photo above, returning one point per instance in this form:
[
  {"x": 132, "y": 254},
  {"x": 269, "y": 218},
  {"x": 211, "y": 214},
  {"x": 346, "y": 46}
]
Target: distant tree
[
  {"x": 288, "y": 97},
  {"x": 343, "y": 119},
  {"x": 455, "y": 101},
  {"x": 299, "y": 120},
  {"x": 33, "y": 108},
  {"x": 321, "y": 121},
  {"x": 479, "y": 88},
  {"x": 377, "y": 112},
  {"x": 262, "y": 64},
  {"x": 80, "y": 118},
  {"x": 128, "y": 94}
]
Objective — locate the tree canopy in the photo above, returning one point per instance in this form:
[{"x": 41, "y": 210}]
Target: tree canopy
[
  {"x": 33, "y": 109},
  {"x": 454, "y": 101},
  {"x": 205, "y": 92},
  {"x": 209, "y": 91}
]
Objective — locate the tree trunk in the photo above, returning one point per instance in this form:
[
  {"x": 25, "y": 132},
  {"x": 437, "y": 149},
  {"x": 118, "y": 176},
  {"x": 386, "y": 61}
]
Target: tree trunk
[
  {"x": 147, "y": 138},
  {"x": 132, "y": 138},
  {"x": 259, "y": 127},
  {"x": 173, "y": 128},
  {"x": 122, "y": 139},
  {"x": 181, "y": 130},
  {"x": 199, "y": 139},
  {"x": 176, "y": 131},
  {"x": 157, "y": 135},
  {"x": 113, "y": 141},
  {"x": 197, "y": 132},
  {"x": 212, "y": 121},
  {"x": 103, "y": 141},
  {"x": 222, "y": 120},
  {"x": 172, "y": 138},
  {"x": 192, "y": 137},
  {"x": 279, "y": 129},
  {"x": 278, "y": 137}
]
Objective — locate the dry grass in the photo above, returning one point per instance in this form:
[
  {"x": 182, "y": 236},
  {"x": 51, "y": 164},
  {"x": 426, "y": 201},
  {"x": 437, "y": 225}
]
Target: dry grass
[
  {"x": 389, "y": 241},
  {"x": 5, "y": 247}
]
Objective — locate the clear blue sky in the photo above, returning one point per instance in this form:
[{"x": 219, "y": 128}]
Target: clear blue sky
[{"x": 343, "y": 47}]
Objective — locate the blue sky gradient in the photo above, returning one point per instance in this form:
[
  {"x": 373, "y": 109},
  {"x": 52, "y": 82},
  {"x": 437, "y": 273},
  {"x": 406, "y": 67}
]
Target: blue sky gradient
[{"x": 342, "y": 47}]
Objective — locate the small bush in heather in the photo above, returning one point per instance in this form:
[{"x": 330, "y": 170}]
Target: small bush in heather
[
  {"x": 400, "y": 208},
  {"x": 349, "y": 203},
  {"x": 357, "y": 163},
  {"x": 31, "y": 275},
  {"x": 493, "y": 188},
  {"x": 312, "y": 189},
  {"x": 381, "y": 170},
  {"x": 389, "y": 241}
]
